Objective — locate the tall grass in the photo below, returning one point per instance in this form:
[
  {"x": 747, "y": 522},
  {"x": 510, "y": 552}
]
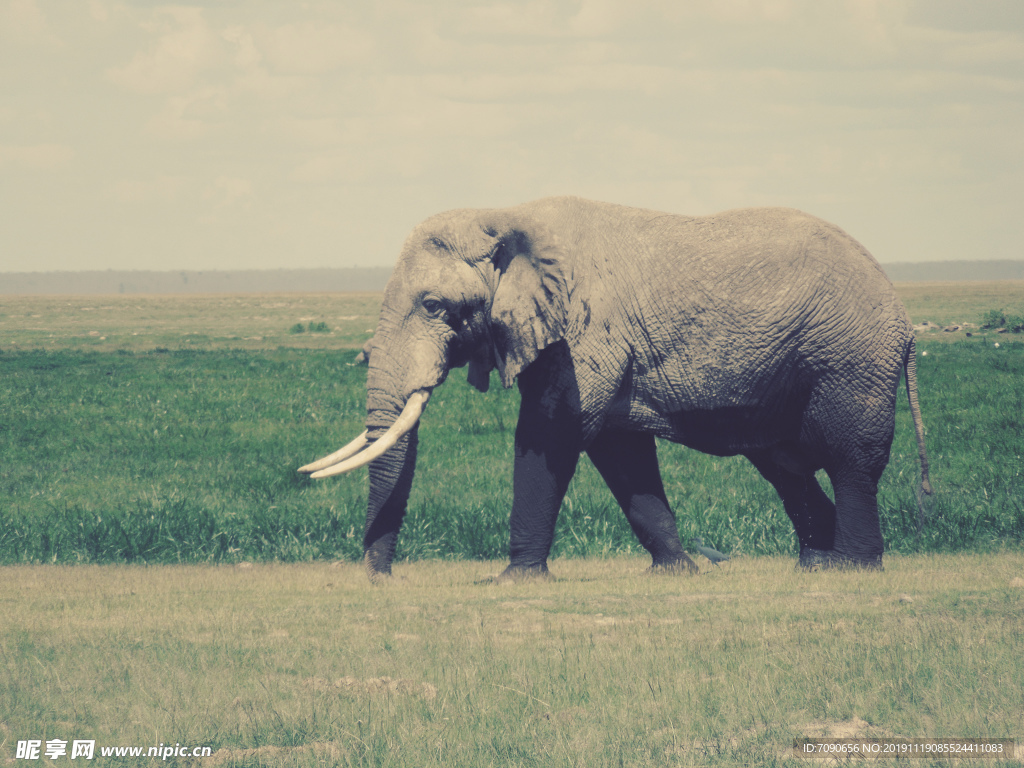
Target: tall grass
[{"x": 190, "y": 456}]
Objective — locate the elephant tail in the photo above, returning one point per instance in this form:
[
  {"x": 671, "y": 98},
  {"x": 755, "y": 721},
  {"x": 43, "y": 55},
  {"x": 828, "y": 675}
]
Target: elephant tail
[{"x": 924, "y": 491}]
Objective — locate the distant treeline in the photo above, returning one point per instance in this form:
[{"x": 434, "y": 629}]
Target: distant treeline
[
  {"x": 374, "y": 279},
  {"x": 241, "y": 281},
  {"x": 954, "y": 271}
]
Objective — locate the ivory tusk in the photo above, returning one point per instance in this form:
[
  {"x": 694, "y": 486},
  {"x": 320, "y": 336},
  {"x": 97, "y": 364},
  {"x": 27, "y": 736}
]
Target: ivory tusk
[
  {"x": 339, "y": 455},
  {"x": 406, "y": 420}
]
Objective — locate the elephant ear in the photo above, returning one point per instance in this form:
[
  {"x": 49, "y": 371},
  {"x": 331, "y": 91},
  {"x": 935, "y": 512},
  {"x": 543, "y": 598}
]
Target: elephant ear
[{"x": 529, "y": 307}]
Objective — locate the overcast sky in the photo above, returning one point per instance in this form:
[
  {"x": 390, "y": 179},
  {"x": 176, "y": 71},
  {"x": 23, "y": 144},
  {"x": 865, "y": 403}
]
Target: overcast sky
[{"x": 257, "y": 134}]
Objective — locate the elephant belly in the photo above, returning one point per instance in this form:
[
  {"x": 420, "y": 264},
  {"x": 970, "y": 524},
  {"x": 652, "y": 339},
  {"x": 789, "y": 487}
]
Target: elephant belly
[
  {"x": 728, "y": 431},
  {"x": 719, "y": 428}
]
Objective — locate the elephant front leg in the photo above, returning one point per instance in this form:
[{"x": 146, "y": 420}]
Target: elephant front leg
[
  {"x": 547, "y": 450},
  {"x": 628, "y": 462},
  {"x": 539, "y": 483}
]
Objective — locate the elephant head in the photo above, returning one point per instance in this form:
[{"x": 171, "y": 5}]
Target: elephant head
[{"x": 479, "y": 288}]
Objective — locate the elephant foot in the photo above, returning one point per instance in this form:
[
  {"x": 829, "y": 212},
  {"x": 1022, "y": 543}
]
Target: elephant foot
[
  {"x": 814, "y": 559},
  {"x": 827, "y": 559},
  {"x": 516, "y": 573},
  {"x": 681, "y": 564},
  {"x": 374, "y": 571}
]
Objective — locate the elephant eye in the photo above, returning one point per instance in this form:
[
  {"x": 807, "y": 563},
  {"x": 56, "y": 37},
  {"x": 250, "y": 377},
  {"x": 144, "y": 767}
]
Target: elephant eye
[{"x": 433, "y": 307}]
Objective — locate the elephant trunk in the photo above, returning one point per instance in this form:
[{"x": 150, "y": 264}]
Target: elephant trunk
[
  {"x": 390, "y": 482},
  {"x": 392, "y": 471},
  {"x": 388, "y": 446}
]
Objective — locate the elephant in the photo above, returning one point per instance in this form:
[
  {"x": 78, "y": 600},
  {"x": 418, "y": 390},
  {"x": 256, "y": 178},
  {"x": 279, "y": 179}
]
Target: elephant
[{"x": 762, "y": 332}]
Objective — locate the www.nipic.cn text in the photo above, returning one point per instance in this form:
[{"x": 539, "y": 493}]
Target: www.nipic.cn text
[{"x": 86, "y": 749}]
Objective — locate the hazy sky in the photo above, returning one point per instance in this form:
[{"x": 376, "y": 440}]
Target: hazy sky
[{"x": 258, "y": 134}]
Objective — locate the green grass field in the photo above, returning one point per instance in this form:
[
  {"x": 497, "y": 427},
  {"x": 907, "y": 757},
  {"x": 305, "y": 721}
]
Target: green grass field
[
  {"x": 160, "y": 437},
  {"x": 161, "y": 430}
]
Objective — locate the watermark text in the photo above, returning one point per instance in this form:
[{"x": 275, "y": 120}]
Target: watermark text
[{"x": 86, "y": 749}]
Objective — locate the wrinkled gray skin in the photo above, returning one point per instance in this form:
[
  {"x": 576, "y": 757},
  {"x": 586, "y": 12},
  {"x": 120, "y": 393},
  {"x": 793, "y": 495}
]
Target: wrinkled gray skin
[
  {"x": 762, "y": 332},
  {"x": 364, "y": 354}
]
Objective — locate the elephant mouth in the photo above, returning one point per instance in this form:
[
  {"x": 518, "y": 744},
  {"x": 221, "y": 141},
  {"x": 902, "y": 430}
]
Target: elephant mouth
[{"x": 361, "y": 451}]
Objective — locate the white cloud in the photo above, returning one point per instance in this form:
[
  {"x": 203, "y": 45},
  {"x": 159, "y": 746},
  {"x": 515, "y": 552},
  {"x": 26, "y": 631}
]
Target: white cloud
[
  {"x": 987, "y": 48},
  {"x": 23, "y": 23},
  {"x": 247, "y": 55},
  {"x": 312, "y": 49},
  {"x": 161, "y": 190},
  {"x": 227, "y": 191},
  {"x": 98, "y": 10},
  {"x": 508, "y": 19},
  {"x": 190, "y": 115},
  {"x": 183, "y": 47},
  {"x": 599, "y": 18},
  {"x": 746, "y": 11},
  {"x": 1003, "y": 15},
  {"x": 36, "y": 157},
  {"x": 326, "y": 168}
]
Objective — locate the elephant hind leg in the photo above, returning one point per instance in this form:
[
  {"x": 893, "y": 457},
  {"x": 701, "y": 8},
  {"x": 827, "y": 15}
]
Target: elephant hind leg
[
  {"x": 850, "y": 420},
  {"x": 811, "y": 511},
  {"x": 628, "y": 462},
  {"x": 858, "y": 539}
]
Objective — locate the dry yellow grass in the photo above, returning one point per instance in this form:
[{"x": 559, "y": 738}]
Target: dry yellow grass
[
  {"x": 262, "y": 321},
  {"x": 606, "y": 665},
  {"x": 243, "y": 321},
  {"x": 947, "y": 304}
]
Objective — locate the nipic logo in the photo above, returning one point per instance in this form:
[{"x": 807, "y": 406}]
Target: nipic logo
[{"x": 52, "y": 749}]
